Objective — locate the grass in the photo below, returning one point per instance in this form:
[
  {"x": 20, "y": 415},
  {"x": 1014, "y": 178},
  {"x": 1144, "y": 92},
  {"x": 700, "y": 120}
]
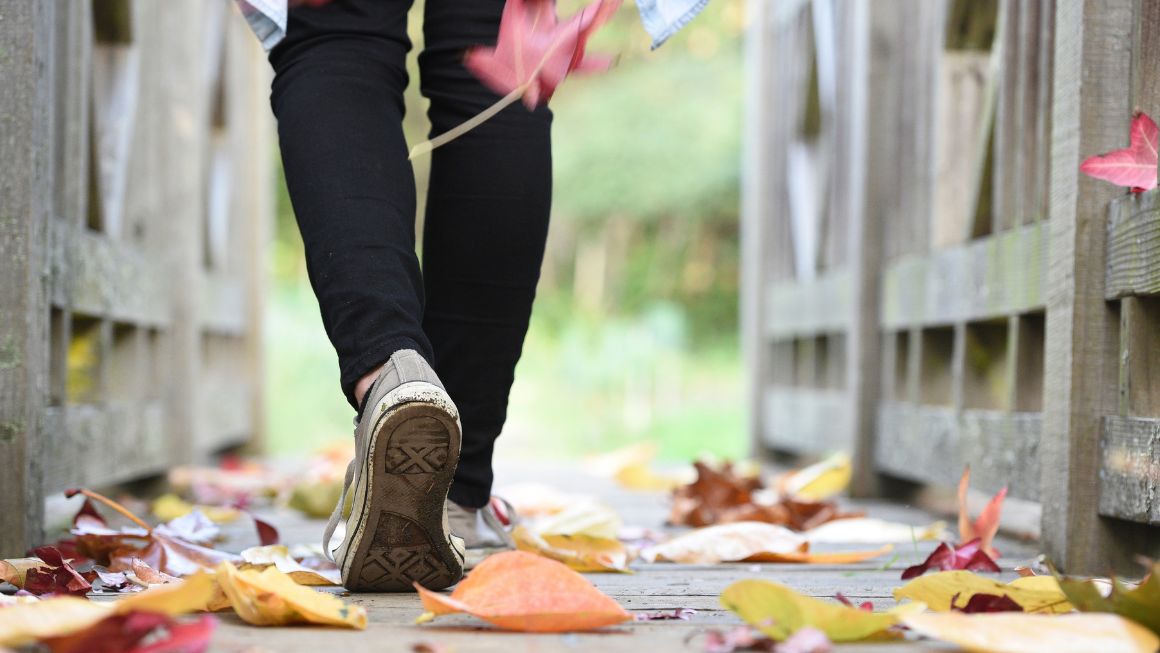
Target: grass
[{"x": 584, "y": 385}]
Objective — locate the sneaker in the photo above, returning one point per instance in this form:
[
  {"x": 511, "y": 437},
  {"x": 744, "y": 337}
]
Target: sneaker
[
  {"x": 484, "y": 531},
  {"x": 406, "y": 448}
]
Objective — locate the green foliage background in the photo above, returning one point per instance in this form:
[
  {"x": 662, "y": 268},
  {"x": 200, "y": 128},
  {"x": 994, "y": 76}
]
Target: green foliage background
[{"x": 634, "y": 335}]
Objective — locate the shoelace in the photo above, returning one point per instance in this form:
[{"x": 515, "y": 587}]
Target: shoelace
[
  {"x": 492, "y": 521},
  {"x": 353, "y": 475}
]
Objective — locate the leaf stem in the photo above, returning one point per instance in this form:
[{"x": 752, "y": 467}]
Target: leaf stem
[
  {"x": 483, "y": 116},
  {"x": 112, "y": 504}
]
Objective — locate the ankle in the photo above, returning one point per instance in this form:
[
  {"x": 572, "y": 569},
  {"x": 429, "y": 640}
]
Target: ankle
[{"x": 364, "y": 384}]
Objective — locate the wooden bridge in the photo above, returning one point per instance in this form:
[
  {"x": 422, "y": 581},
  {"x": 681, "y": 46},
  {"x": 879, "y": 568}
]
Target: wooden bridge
[{"x": 929, "y": 281}]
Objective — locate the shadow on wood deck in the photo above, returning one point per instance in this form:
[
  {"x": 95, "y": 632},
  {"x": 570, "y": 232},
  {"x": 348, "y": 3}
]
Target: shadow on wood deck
[{"x": 653, "y": 587}]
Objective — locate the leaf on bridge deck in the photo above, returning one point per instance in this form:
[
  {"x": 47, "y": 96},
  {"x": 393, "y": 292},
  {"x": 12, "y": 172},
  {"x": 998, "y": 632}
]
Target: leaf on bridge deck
[
  {"x": 950, "y": 557},
  {"x": 1035, "y": 594},
  {"x": 521, "y": 591},
  {"x": 779, "y": 612},
  {"x": 987, "y": 525},
  {"x": 56, "y": 576},
  {"x": 278, "y": 555},
  {"x": 1134, "y": 166},
  {"x": 26, "y": 623},
  {"x": 15, "y": 570},
  {"x": 822, "y": 480},
  {"x": 190, "y": 595},
  {"x": 583, "y": 553},
  {"x": 270, "y": 598},
  {"x": 1010, "y": 632},
  {"x": 728, "y": 543},
  {"x": 137, "y": 632},
  {"x": 1140, "y": 603}
]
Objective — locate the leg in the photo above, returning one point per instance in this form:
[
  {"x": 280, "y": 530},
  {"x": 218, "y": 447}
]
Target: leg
[
  {"x": 338, "y": 97},
  {"x": 483, "y": 242}
]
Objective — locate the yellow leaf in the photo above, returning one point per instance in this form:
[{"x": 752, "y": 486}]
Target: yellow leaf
[
  {"x": 278, "y": 555},
  {"x": 779, "y": 612},
  {"x": 631, "y": 468},
  {"x": 520, "y": 591},
  {"x": 193, "y": 594},
  {"x": 270, "y": 598},
  {"x": 582, "y": 553},
  {"x": 1015, "y": 632},
  {"x": 1033, "y": 593},
  {"x": 824, "y": 558},
  {"x": 60, "y": 615},
  {"x": 819, "y": 481},
  {"x": 588, "y": 518},
  {"x": 14, "y": 570},
  {"x": 317, "y": 498},
  {"x": 168, "y": 507},
  {"x": 727, "y": 543}
]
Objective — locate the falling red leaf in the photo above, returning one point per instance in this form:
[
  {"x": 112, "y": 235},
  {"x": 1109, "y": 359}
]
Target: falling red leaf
[
  {"x": 57, "y": 576},
  {"x": 137, "y": 632},
  {"x": 535, "y": 52},
  {"x": 947, "y": 557},
  {"x": 987, "y": 525},
  {"x": 1133, "y": 166},
  {"x": 986, "y": 603}
]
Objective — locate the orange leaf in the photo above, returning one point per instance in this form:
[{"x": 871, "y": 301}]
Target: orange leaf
[
  {"x": 987, "y": 524},
  {"x": 522, "y": 591}
]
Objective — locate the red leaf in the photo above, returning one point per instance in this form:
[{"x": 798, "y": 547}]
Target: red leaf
[
  {"x": 986, "y": 603},
  {"x": 535, "y": 52},
  {"x": 1133, "y": 166},
  {"x": 948, "y": 557},
  {"x": 267, "y": 534},
  {"x": 57, "y": 577},
  {"x": 137, "y": 632},
  {"x": 987, "y": 525}
]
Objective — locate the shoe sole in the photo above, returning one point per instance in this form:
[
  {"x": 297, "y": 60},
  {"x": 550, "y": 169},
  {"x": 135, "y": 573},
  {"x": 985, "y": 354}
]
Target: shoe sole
[{"x": 400, "y": 537}]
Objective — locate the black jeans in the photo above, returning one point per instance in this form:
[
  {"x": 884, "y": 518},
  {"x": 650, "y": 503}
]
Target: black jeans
[{"x": 338, "y": 96}]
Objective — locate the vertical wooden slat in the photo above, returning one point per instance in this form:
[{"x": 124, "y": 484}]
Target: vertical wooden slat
[
  {"x": 1146, "y": 56},
  {"x": 1004, "y": 182},
  {"x": 26, "y": 192},
  {"x": 1026, "y": 168},
  {"x": 1043, "y": 104},
  {"x": 1091, "y": 114},
  {"x": 756, "y": 240}
]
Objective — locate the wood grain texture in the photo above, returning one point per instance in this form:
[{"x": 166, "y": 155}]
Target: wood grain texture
[
  {"x": 990, "y": 277},
  {"x": 933, "y": 444},
  {"x": 1091, "y": 111},
  {"x": 1005, "y": 201},
  {"x": 809, "y": 307},
  {"x": 1133, "y": 244},
  {"x": 806, "y": 420},
  {"x": 26, "y": 190},
  {"x": 1130, "y": 469}
]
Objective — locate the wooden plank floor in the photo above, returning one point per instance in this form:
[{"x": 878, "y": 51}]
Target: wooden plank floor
[{"x": 653, "y": 587}]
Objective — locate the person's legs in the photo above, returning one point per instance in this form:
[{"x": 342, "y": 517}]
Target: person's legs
[
  {"x": 483, "y": 242},
  {"x": 338, "y": 96}
]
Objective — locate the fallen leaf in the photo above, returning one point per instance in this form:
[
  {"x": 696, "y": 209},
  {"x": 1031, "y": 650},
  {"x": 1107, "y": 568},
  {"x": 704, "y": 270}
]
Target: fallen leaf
[
  {"x": 727, "y": 543},
  {"x": 270, "y": 598},
  {"x": 192, "y": 594},
  {"x": 867, "y": 530},
  {"x": 535, "y": 52},
  {"x": 521, "y": 591},
  {"x": 820, "y": 481},
  {"x": 584, "y": 553},
  {"x": 169, "y": 506},
  {"x": 779, "y": 612},
  {"x": 982, "y": 603},
  {"x": 15, "y": 570},
  {"x": 26, "y": 623},
  {"x": 1140, "y": 603},
  {"x": 822, "y": 558},
  {"x": 948, "y": 557},
  {"x": 534, "y": 500},
  {"x": 1038, "y": 594},
  {"x": 1134, "y": 166},
  {"x": 429, "y": 647},
  {"x": 1009, "y": 632},
  {"x": 589, "y": 518},
  {"x": 722, "y": 495},
  {"x": 147, "y": 575},
  {"x": 682, "y": 614},
  {"x": 137, "y": 632},
  {"x": 316, "y": 498},
  {"x": 986, "y": 525},
  {"x": 278, "y": 556},
  {"x": 56, "y": 576}
]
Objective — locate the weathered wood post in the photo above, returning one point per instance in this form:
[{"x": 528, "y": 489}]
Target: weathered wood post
[
  {"x": 26, "y": 52},
  {"x": 1091, "y": 113}
]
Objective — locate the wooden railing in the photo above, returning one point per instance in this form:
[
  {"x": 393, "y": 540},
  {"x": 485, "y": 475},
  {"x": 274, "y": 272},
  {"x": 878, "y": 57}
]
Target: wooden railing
[{"x": 989, "y": 305}]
